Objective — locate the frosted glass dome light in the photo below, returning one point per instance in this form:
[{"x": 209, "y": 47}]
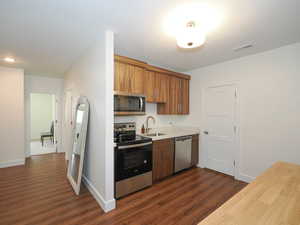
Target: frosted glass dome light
[{"x": 190, "y": 36}]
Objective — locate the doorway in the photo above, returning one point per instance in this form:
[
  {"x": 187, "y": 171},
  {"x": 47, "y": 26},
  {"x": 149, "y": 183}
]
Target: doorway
[
  {"x": 221, "y": 136},
  {"x": 43, "y": 120}
]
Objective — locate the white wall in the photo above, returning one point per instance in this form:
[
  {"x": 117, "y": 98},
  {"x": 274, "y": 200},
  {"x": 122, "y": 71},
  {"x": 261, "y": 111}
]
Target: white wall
[
  {"x": 92, "y": 76},
  {"x": 269, "y": 97},
  {"x": 11, "y": 117},
  {"x": 160, "y": 120},
  {"x": 48, "y": 85},
  {"x": 42, "y": 114}
]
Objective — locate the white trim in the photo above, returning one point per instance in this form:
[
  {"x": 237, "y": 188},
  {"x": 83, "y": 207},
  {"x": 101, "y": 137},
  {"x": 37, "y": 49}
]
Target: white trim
[
  {"x": 17, "y": 162},
  {"x": 105, "y": 205},
  {"x": 109, "y": 115},
  {"x": 38, "y": 84},
  {"x": 245, "y": 178},
  {"x": 199, "y": 165}
]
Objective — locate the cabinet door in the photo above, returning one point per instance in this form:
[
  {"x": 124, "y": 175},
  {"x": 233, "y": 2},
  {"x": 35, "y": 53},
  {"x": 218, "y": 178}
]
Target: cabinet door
[
  {"x": 165, "y": 107},
  {"x": 150, "y": 86},
  {"x": 137, "y": 79},
  {"x": 163, "y": 159},
  {"x": 161, "y": 87},
  {"x": 175, "y": 95},
  {"x": 185, "y": 98},
  {"x": 195, "y": 150},
  {"x": 178, "y": 100},
  {"x": 122, "y": 77},
  {"x": 172, "y": 103}
]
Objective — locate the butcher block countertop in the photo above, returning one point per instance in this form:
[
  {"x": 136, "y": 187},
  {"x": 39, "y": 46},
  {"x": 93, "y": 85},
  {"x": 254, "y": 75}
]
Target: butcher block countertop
[{"x": 271, "y": 199}]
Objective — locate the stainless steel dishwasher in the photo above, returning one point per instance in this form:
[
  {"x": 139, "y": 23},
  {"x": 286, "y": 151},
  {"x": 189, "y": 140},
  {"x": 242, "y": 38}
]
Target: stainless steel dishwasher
[{"x": 183, "y": 153}]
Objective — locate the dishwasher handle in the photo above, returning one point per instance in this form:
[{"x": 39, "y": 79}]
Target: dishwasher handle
[{"x": 184, "y": 138}]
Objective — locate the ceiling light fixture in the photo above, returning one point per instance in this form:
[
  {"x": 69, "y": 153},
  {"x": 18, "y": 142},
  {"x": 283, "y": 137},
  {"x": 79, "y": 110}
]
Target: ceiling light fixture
[
  {"x": 191, "y": 36},
  {"x": 190, "y": 24},
  {"x": 9, "y": 59}
]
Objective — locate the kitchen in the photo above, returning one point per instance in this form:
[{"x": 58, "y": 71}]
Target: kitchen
[
  {"x": 146, "y": 151},
  {"x": 172, "y": 112}
]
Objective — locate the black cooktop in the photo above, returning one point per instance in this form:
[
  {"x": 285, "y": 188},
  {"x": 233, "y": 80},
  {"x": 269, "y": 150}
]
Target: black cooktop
[{"x": 137, "y": 139}]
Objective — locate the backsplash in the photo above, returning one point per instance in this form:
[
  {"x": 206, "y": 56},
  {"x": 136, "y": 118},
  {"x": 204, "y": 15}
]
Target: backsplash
[{"x": 161, "y": 120}]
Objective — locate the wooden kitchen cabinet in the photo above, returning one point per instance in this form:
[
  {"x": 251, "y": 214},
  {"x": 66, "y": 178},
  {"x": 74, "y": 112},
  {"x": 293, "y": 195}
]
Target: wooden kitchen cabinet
[
  {"x": 185, "y": 97},
  {"x": 175, "y": 95},
  {"x": 129, "y": 78},
  {"x": 156, "y": 87},
  {"x": 137, "y": 80},
  {"x": 162, "y": 86},
  {"x": 178, "y": 100},
  {"x": 170, "y": 90},
  {"x": 195, "y": 150},
  {"x": 122, "y": 78},
  {"x": 163, "y": 158},
  {"x": 150, "y": 86}
]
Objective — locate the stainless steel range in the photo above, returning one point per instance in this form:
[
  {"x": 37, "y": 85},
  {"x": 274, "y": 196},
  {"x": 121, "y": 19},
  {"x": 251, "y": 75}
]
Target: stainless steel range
[{"x": 133, "y": 160}]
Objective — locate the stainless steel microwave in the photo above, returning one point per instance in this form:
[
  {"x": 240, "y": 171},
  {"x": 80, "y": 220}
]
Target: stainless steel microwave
[{"x": 128, "y": 104}]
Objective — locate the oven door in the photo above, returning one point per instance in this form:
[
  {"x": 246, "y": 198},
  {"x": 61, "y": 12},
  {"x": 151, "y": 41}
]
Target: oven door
[
  {"x": 132, "y": 160},
  {"x": 129, "y": 104}
]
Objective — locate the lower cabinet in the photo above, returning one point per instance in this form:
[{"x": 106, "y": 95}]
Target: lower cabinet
[{"x": 163, "y": 159}]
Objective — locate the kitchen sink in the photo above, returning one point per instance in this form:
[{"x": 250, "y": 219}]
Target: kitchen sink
[{"x": 154, "y": 134}]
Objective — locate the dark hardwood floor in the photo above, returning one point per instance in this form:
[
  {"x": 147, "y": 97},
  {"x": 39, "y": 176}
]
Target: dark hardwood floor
[{"x": 39, "y": 194}]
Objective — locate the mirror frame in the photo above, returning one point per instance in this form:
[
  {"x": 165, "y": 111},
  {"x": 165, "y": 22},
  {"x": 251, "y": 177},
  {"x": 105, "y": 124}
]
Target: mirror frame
[{"x": 76, "y": 185}]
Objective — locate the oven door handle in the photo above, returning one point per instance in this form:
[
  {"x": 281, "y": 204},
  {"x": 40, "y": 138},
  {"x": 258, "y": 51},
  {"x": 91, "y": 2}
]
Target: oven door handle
[{"x": 134, "y": 146}]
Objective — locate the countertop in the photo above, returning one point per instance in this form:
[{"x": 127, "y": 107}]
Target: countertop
[
  {"x": 271, "y": 199},
  {"x": 172, "y": 132}
]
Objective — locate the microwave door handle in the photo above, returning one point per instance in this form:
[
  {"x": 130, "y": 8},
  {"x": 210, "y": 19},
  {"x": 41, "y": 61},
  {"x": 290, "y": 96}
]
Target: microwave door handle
[{"x": 141, "y": 104}]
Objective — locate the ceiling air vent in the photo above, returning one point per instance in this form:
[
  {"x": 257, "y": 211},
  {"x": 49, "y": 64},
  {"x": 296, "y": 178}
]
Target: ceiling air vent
[{"x": 243, "y": 47}]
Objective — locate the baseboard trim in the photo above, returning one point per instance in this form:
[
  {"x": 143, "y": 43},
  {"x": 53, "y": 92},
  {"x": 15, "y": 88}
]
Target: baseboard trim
[
  {"x": 245, "y": 178},
  {"x": 105, "y": 205},
  {"x": 199, "y": 165},
  {"x": 35, "y": 139},
  {"x": 10, "y": 163}
]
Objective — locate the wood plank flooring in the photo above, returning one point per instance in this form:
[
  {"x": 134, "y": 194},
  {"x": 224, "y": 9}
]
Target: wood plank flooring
[{"x": 39, "y": 194}]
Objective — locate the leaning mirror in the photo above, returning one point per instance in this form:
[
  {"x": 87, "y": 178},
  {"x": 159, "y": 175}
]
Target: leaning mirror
[{"x": 75, "y": 166}]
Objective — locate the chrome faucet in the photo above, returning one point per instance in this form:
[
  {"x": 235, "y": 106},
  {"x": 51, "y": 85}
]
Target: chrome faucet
[{"x": 147, "y": 123}]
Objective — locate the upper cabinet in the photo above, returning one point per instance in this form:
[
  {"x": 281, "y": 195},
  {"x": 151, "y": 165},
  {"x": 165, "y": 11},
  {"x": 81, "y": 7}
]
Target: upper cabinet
[
  {"x": 185, "y": 97},
  {"x": 167, "y": 88},
  {"x": 156, "y": 87},
  {"x": 150, "y": 91},
  {"x": 178, "y": 99},
  {"x": 129, "y": 78}
]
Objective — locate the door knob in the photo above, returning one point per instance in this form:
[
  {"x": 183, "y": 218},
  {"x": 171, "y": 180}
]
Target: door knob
[{"x": 205, "y": 132}]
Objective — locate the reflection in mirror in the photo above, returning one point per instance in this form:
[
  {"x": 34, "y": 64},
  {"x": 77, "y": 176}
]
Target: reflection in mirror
[{"x": 76, "y": 162}]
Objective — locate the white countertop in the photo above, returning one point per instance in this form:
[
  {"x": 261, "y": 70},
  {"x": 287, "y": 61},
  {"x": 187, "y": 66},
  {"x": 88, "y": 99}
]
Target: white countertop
[{"x": 171, "y": 132}]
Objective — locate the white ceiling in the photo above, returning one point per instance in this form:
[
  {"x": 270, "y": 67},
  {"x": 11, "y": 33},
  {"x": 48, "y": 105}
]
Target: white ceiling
[{"x": 46, "y": 36}]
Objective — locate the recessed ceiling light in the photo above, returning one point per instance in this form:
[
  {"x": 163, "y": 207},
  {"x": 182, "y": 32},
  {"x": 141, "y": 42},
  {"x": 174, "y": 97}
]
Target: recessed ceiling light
[{"x": 9, "y": 59}]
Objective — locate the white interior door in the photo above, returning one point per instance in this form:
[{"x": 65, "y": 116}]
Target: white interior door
[{"x": 220, "y": 133}]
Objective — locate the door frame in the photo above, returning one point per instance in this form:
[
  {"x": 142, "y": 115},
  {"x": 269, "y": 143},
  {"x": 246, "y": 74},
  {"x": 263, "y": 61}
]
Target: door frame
[
  {"x": 67, "y": 126},
  {"x": 237, "y": 150},
  {"x": 57, "y": 135}
]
